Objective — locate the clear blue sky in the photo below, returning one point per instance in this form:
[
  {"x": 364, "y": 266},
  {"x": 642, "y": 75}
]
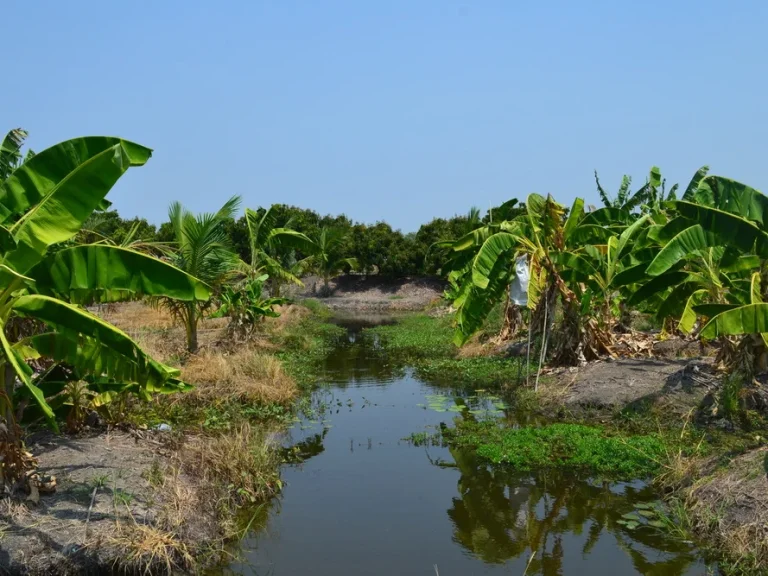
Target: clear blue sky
[{"x": 393, "y": 110}]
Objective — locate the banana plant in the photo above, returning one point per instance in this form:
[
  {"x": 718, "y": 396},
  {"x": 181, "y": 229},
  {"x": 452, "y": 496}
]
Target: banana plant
[
  {"x": 559, "y": 266},
  {"x": 246, "y": 305},
  {"x": 44, "y": 202}
]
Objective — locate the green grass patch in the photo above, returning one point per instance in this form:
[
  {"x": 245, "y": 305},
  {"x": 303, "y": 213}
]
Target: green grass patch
[
  {"x": 574, "y": 447},
  {"x": 304, "y": 347},
  {"x": 418, "y": 336},
  {"x": 482, "y": 372}
]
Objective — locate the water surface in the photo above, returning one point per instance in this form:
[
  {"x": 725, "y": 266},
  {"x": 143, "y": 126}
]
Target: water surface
[{"x": 366, "y": 501}]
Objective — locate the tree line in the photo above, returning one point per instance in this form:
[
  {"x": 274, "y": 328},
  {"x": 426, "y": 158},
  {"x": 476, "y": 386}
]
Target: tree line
[{"x": 376, "y": 248}]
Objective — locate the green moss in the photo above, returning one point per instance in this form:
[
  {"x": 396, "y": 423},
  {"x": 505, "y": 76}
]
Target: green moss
[{"x": 574, "y": 447}]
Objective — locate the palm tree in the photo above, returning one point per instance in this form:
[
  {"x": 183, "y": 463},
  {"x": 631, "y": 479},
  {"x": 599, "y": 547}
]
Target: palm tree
[
  {"x": 202, "y": 251},
  {"x": 270, "y": 244},
  {"x": 328, "y": 259}
]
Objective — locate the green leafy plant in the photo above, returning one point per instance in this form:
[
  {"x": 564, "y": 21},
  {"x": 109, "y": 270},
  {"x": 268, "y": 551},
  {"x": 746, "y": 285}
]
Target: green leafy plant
[
  {"x": 203, "y": 251},
  {"x": 245, "y": 305},
  {"x": 43, "y": 204}
]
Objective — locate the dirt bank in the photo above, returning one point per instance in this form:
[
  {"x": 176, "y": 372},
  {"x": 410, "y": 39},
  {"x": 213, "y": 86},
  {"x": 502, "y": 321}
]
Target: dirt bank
[
  {"x": 678, "y": 385},
  {"x": 373, "y": 293},
  {"x": 122, "y": 500}
]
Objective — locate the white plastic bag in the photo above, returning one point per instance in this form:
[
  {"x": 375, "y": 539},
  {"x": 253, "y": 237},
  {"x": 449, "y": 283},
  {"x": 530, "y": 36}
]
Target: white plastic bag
[{"x": 518, "y": 289}]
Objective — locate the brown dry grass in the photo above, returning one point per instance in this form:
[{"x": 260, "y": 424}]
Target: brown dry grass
[
  {"x": 730, "y": 508},
  {"x": 245, "y": 375},
  {"x": 149, "y": 549},
  {"x": 244, "y": 459}
]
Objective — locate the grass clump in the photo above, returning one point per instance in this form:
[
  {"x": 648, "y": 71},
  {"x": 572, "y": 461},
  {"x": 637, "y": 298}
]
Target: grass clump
[{"x": 573, "y": 447}]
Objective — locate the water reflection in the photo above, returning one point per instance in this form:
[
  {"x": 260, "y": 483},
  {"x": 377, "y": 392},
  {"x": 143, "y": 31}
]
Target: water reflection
[
  {"x": 361, "y": 500},
  {"x": 499, "y": 515}
]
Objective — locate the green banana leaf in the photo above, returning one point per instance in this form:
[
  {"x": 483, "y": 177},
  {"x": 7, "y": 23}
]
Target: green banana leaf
[
  {"x": 496, "y": 247},
  {"x": 72, "y": 320},
  {"x": 693, "y": 185},
  {"x": 590, "y": 234},
  {"x": 687, "y": 241},
  {"x": 689, "y": 316},
  {"x": 87, "y": 356},
  {"x": 738, "y": 263},
  {"x": 712, "y": 310},
  {"x": 62, "y": 212},
  {"x": 632, "y": 275},
  {"x": 656, "y": 285},
  {"x": 574, "y": 216},
  {"x": 21, "y": 373},
  {"x": 39, "y": 175},
  {"x": 749, "y": 319},
  {"x": 91, "y": 272},
  {"x": 674, "y": 304},
  {"x": 292, "y": 239},
  {"x": 728, "y": 229},
  {"x": 734, "y": 197},
  {"x": 607, "y": 217}
]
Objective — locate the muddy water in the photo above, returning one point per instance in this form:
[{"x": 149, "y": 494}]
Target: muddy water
[{"x": 365, "y": 501}]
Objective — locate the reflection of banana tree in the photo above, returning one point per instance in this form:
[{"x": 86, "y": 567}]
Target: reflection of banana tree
[{"x": 500, "y": 515}]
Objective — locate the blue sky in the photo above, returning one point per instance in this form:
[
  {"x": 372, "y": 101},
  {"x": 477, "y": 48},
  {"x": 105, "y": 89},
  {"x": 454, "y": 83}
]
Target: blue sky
[{"x": 393, "y": 110}]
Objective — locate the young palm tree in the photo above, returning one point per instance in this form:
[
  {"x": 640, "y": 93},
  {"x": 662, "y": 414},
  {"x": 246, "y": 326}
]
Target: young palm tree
[
  {"x": 272, "y": 248},
  {"x": 328, "y": 259},
  {"x": 202, "y": 251}
]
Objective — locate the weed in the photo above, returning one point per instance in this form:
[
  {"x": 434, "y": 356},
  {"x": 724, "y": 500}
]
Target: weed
[
  {"x": 565, "y": 446},
  {"x": 155, "y": 474}
]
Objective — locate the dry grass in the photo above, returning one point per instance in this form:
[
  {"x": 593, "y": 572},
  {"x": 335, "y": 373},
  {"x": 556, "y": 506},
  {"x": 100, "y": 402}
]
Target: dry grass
[
  {"x": 135, "y": 316},
  {"x": 245, "y": 375},
  {"x": 149, "y": 549},
  {"x": 245, "y": 460},
  {"x": 730, "y": 507},
  {"x": 475, "y": 349}
]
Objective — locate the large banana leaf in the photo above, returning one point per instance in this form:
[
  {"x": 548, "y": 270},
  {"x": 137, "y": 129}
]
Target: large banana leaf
[
  {"x": 88, "y": 356},
  {"x": 62, "y": 212},
  {"x": 738, "y": 263},
  {"x": 673, "y": 305},
  {"x": 607, "y": 217},
  {"x": 734, "y": 197},
  {"x": 728, "y": 229},
  {"x": 95, "y": 271},
  {"x": 72, "y": 320},
  {"x": 590, "y": 234},
  {"x": 21, "y": 373},
  {"x": 712, "y": 310},
  {"x": 631, "y": 275},
  {"x": 749, "y": 319},
  {"x": 574, "y": 216},
  {"x": 687, "y": 241},
  {"x": 39, "y": 175},
  {"x": 495, "y": 248},
  {"x": 693, "y": 185},
  {"x": 656, "y": 285}
]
